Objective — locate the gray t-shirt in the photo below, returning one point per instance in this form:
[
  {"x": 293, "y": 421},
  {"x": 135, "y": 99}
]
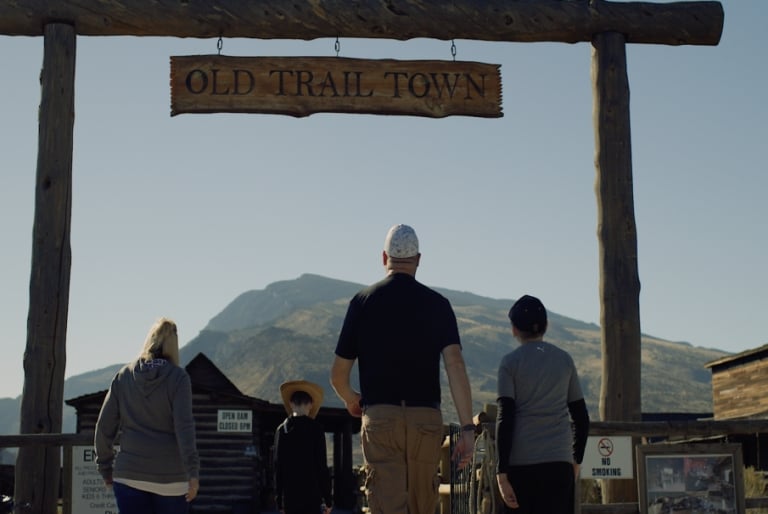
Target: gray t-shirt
[{"x": 542, "y": 380}]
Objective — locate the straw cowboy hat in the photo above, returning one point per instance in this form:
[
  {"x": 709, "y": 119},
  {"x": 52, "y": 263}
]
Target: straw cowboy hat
[{"x": 313, "y": 390}]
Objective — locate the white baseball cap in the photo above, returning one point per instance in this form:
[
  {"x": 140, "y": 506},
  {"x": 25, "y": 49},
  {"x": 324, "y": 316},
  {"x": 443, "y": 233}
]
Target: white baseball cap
[{"x": 401, "y": 242}]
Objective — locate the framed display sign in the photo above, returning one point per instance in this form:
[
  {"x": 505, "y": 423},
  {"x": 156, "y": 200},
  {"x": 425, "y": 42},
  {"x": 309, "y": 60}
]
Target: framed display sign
[{"x": 688, "y": 478}]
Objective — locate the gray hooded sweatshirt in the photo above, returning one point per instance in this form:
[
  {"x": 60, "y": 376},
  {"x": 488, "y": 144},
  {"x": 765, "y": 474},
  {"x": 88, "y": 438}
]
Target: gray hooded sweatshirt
[{"x": 149, "y": 404}]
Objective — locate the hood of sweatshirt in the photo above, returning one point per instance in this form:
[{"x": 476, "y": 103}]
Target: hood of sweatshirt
[{"x": 148, "y": 375}]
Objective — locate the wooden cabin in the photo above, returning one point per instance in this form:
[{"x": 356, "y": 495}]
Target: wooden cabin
[
  {"x": 235, "y": 434},
  {"x": 740, "y": 385},
  {"x": 740, "y": 391}
]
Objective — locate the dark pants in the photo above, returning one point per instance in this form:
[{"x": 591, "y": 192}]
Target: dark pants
[
  {"x": 302, "y": 506},
  {"x": 543, "y": 488},
  {"x": 135, "y": 501}
]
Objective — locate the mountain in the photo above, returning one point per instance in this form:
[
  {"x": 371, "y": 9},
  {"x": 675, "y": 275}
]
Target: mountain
[{"x": 289, "y": 329}]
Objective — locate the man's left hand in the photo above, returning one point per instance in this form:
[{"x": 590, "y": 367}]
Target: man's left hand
[{"x": 465, "y": 447}]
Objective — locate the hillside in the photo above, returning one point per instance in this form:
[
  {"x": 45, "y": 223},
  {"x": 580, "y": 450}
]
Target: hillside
[{"x": 288, "y": 330}]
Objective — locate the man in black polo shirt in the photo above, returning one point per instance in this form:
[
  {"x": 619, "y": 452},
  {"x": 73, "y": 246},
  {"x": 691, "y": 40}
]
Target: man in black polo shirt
[{"x": 397, "y": 330}]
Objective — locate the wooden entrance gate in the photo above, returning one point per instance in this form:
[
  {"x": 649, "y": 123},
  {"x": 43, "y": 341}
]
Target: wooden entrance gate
[{"x": 608, "y": 26}]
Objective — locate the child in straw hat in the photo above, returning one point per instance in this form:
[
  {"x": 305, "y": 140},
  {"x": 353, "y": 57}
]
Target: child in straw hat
[{"x": 302, "y": 478}]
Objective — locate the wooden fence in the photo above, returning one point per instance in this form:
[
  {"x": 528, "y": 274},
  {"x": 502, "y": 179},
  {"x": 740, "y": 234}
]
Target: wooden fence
[{"x": 678, "y": 430}]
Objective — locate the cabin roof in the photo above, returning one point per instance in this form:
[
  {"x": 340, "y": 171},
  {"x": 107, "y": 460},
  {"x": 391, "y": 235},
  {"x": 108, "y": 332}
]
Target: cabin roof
[
  {"x": 207, "y": 378},
  {"x": 739, "y": 358},
  {"x": 203, "y": 374}
]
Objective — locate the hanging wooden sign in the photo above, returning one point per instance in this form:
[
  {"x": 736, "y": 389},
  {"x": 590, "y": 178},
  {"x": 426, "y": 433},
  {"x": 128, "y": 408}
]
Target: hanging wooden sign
[{"x": 300, "y": 86}]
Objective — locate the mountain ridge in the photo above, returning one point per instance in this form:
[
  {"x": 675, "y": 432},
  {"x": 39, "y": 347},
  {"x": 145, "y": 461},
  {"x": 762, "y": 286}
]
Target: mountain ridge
[
  {"x": 311, "y": 318},
  {"x": 288, "y": 330}
]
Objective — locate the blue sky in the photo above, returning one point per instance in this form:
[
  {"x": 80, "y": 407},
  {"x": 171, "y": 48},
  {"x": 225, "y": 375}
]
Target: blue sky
[{"x": 176, "y": 216}]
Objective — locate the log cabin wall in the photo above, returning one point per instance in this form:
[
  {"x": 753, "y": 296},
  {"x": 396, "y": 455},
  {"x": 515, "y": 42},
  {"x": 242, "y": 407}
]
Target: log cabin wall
[
  {"x": 231, "y": 472},
  {"x": 739, "y": 385}
]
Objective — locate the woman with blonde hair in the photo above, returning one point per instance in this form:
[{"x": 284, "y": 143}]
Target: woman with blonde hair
[{"x": 149, "y": 408}]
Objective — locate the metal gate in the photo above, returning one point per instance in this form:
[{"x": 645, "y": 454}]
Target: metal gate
[
  {"x": 473, "y": 489},
  {"x": 460, "y": 478}
]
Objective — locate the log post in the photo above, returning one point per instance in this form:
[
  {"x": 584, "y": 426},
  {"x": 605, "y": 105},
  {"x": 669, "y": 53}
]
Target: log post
[
  {"x": 42, "y": 402},
  {"x": 617, "y": 236},
  {"x": 345, "y": 481}
]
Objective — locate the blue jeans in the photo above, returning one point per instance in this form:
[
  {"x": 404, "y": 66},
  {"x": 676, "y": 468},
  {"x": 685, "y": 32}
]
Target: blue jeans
[{"x": 135, "y": 501}]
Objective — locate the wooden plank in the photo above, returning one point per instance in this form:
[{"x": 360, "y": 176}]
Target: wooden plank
[
  {"x": 679, "y": 429},
  {"x": 758, "y": 502},
  {"x": 610, "y": 508},
  {"x": 42, "y": 402},
  {"x": 25, "y": 440},
  {"x": 676, "y": 23},
  {"x": 300, "y": 86},
  {"x": 632, "y": 508},
  {"x": 738, "y": 391}
]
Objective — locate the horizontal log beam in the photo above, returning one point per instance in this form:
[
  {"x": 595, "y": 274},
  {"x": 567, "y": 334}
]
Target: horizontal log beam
[
  {"x": 682, "y": 428},
  {"x": 676, "y": 429},
  {"x": 759, "y": 502},
  {"x": 32, "y": 440},
  {"x": 609, "y": 508},
  {"x": 677, "y": 23}
]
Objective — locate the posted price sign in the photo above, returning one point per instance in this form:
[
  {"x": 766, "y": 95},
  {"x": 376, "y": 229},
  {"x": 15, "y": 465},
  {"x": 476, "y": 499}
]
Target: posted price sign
[
  {"x": 607, "y": 458},
  {"x": 89, "y": 494}
]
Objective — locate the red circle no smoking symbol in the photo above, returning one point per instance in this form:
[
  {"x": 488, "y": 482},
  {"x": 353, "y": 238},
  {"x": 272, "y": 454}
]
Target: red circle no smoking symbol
[{"x": 605, "y": 447}]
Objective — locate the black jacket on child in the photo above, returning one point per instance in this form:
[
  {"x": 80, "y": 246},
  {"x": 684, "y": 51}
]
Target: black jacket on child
[{"x": 302, "y": 478}]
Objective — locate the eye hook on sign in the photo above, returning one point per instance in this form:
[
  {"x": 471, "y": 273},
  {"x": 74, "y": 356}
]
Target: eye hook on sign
[
  {"x": 219, "y": 44},
  {"x": 453, "y": 49},
  {"x": 337, "y": 46}
]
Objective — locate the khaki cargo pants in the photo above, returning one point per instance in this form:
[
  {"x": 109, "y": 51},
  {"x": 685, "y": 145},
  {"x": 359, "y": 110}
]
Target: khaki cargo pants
[{"x": 401, "y": 447}]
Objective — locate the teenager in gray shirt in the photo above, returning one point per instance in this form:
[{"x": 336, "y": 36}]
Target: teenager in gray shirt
[
  {"x": 149, "y": 404},
  {"x": 539, "y": 395}
]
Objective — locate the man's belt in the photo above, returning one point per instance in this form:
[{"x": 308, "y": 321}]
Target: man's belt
[{"x": 405, "y": 403}]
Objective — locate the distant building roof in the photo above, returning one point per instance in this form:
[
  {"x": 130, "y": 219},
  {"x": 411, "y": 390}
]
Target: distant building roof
[
  {"x": 203, "y": 374},
  {"x": 739, "y": 358}
]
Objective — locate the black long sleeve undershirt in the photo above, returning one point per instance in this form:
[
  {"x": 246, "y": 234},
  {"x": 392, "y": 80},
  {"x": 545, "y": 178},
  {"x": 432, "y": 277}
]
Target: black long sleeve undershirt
[
  {"x": 580, "y": 417},
  {"x": 505, "y": 421}
]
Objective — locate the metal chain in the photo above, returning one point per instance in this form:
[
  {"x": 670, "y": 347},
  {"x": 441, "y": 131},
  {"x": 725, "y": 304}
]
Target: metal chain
[
  {"x": 453, "y": 49},
  {"x": 337, "y": 46},
  {"x": 219, "y": 45}
]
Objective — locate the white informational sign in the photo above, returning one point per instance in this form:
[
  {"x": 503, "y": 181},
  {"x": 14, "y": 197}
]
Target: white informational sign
[
  {"x": 608, "y": 457},
  {"x": 89, "y": 494},
  {"x": 235, "y": 421}
]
